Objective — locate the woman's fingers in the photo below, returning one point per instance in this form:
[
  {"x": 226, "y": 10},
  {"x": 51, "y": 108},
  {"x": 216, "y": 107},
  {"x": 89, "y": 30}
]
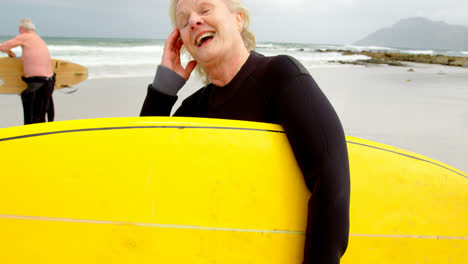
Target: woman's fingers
[
  {"x": 179, "y": 44},
  {"x": 171, "y": 55},
  {"x": 172, "y": 38}
]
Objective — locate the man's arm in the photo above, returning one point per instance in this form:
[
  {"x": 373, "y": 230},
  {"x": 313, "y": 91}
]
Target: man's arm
[{"x": 10, "y": 44}]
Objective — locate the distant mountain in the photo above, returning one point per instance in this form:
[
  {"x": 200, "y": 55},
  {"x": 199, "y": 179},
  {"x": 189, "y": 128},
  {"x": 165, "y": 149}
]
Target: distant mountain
[{"x": 419, "y": 33}]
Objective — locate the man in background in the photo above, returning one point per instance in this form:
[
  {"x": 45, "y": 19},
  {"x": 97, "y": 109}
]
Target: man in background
[{"x": 38, "y": 73}]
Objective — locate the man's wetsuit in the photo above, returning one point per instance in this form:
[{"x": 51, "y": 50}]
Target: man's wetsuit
[
  {"x": 280, "y": 90},
  {"x": 37, "y": 99}
]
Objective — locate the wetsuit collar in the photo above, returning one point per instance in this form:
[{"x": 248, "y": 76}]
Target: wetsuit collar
[{"x": 247, "y": 69}]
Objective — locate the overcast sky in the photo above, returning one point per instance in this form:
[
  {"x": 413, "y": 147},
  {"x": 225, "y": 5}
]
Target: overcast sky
[{"x": 307, "y": 21}]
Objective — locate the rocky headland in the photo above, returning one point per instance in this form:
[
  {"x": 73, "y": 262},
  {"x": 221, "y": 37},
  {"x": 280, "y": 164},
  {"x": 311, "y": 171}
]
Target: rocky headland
[
  {"x": 419, "y": 33},
  {"x": 397, "y": 59}
]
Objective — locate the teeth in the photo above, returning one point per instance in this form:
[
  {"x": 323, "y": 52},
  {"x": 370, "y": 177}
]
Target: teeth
[{"x": 204, "y": 35}]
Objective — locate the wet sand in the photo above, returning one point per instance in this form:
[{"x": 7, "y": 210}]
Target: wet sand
[{"x": 424, "y": 110}]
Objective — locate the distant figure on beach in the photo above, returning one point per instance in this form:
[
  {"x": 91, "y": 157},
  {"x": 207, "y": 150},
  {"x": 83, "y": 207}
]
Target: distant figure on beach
[
  {"x": 38, "y": 73},
  {"x": 245, "y": 85}
]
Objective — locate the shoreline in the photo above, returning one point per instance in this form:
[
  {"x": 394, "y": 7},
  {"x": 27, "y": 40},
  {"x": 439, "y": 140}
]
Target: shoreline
[{"x": 395, "y": 59}]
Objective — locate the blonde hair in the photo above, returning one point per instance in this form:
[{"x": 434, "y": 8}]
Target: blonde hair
[
  {"x": 27, "y": 24},
  {"x": 247, "y": 35}
]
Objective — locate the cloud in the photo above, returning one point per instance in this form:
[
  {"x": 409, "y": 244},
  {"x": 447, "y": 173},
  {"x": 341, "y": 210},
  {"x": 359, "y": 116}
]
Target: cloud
[
  {"x": 319, "y": 21},
  {"x": 289, "y": 4}
]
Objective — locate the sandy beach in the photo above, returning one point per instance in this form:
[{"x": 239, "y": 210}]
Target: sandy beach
[{"x": 422, "y": 108}]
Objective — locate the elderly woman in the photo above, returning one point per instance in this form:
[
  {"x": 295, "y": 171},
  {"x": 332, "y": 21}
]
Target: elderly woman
[{"x": 245, "y": 85}]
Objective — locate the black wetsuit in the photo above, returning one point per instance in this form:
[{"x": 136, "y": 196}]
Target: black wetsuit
[
  {"x": 37, "y": 99},
  {"x": 280, "y": 90}
]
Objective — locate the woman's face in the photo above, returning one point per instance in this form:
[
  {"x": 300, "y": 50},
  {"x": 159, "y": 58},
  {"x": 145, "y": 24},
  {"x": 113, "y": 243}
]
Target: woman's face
[{"x": 208, "y": 28}]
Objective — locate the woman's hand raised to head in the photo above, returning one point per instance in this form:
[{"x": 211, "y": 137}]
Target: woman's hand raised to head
[{"x": 171, "y": 56}]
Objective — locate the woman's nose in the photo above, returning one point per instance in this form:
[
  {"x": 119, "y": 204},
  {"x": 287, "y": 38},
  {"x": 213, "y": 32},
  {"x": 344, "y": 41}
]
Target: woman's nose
[{"x": 195, "y": 20}]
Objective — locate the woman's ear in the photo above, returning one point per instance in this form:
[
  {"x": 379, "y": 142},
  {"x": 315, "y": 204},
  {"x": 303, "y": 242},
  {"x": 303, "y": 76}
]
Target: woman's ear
[{"x": 240, "y": 21}]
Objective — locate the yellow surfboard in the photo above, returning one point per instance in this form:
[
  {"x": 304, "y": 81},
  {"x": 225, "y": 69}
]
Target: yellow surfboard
[
  {"x": 187, "y": 190},
  {"x": 11, "y": 70}
]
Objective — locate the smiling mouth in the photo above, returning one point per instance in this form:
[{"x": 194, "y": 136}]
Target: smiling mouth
[{"x": 204, "y": 37}]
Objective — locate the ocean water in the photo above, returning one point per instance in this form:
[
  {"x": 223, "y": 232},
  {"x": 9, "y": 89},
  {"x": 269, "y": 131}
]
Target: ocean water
[{"x": 110, "y": 58}]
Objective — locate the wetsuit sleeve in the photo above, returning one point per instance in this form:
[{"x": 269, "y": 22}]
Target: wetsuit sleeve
[
  {"x": 161, "y": 95},
  {"x": 318, "y": 142}
]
